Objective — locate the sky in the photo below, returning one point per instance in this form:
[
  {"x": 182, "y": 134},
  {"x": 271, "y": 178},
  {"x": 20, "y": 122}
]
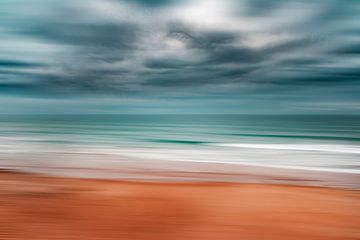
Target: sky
[{"x": 186, "y": 57}]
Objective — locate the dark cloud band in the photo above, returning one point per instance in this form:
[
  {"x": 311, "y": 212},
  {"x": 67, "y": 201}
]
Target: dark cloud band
[{"x": 136, "y": 53}]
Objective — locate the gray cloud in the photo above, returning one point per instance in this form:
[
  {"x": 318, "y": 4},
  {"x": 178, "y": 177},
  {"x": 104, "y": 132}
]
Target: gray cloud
[
  {"x": 7, "y": 63},
  {"x": 159, "y": 48}
]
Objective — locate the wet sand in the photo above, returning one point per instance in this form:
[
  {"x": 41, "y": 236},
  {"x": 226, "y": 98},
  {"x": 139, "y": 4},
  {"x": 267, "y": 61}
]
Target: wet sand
[{"x": 42, "y": 207}]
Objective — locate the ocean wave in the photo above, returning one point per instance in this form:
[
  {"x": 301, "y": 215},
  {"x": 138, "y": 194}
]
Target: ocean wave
[
  {"x": 296, "y": 136},
  {"x": 176, "y": 141},
  {"x": 297, "y": 147}
]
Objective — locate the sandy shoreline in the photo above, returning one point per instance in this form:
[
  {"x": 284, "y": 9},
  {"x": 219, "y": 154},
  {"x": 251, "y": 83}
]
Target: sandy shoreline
[
  {"x": 43, "y": 207},
  {"x": 122, "y": 167}
]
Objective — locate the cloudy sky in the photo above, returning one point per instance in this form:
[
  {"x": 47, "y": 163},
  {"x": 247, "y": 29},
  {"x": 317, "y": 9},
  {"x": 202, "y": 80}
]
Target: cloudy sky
[{"x": 191, "y": 56}]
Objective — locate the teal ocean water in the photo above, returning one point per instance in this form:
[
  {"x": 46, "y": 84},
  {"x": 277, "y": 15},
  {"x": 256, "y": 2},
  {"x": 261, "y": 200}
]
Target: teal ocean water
[{"x": 326, "y": 143}]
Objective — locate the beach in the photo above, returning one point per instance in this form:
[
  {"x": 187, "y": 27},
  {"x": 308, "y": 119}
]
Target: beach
[
  {"x": 34, "y": 206},
  {"x": 155, "y": 177},
  {"x": 179, "y": 120}
]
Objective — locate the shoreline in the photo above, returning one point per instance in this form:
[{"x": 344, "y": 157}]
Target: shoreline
[
  {"x": 102, "y": 166},
  {"x": 47, "y": 207}
]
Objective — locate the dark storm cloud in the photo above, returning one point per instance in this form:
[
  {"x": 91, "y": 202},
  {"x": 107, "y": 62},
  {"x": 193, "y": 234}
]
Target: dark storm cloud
[
  {"x": 207, "y": 40},
  {"x": 16, "y": 64},
  {"x": 165, "y": 47},
  {"x": 165, "y": 63},
  {"x": 235, "y": 55},
  {"x": 115, "y": 36},
  {"x": 348, "y": 49},
  {"x": 154, "y": 3},
  {"x": 261, "y": 7}
]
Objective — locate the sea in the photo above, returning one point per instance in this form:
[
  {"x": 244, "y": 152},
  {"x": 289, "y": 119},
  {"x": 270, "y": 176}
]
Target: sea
[{"x": 306, "y": 142}]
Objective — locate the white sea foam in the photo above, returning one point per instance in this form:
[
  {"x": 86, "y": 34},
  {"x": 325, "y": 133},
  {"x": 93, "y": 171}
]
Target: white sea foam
[{"x": 297, "y": 147}]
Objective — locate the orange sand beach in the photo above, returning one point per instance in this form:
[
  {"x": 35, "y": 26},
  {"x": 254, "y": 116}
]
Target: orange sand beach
[{"x": 42, "y": 207}]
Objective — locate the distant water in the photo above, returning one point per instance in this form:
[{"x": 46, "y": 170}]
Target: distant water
[{"x": 326, "y": 143}]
